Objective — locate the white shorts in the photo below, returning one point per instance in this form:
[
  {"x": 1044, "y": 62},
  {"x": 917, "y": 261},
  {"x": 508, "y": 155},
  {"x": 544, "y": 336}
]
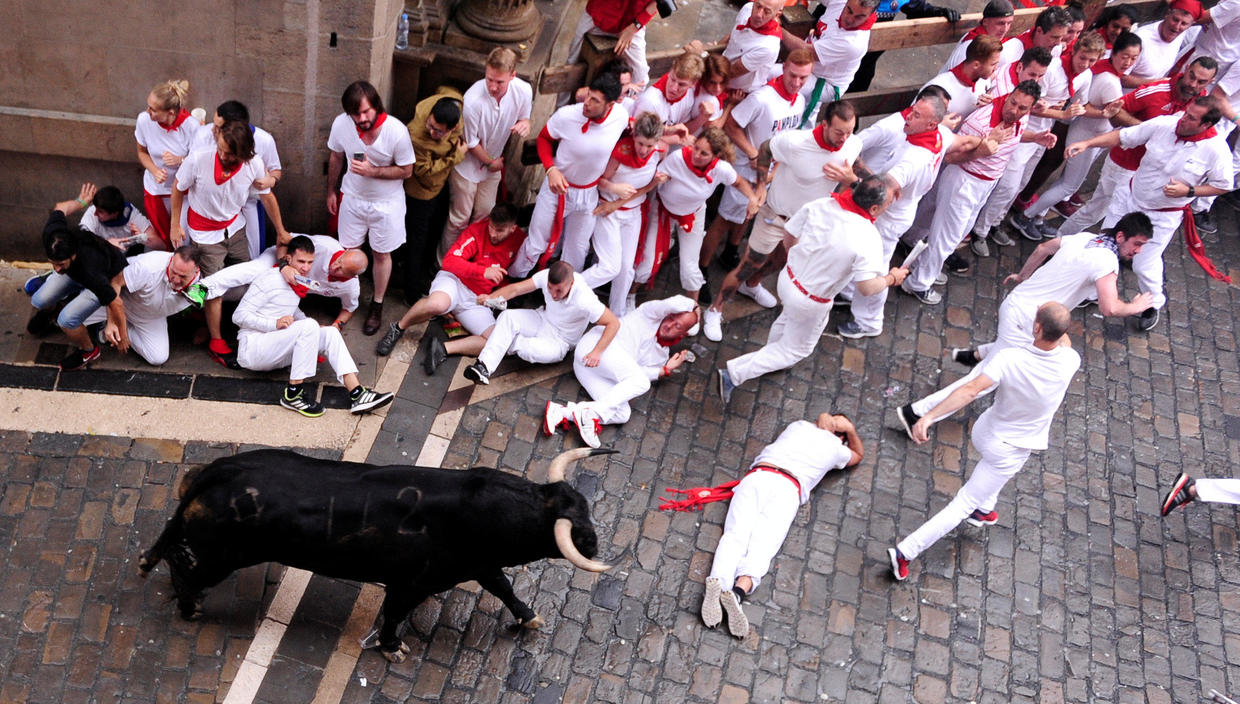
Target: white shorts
[
  {"x": 383, "y": 219},
  {"x": 473, "y": 317},
  {"x": 733, "y": 205}
]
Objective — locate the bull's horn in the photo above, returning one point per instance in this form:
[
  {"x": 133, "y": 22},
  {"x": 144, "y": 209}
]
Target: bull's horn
[
  {"x": 564, "y": 539},
  {"x": 555, "y": 473}
]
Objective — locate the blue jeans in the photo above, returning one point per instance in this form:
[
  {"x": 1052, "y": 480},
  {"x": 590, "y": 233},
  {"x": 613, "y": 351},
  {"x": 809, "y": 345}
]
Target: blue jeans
[{"x": 59, "y": 287}]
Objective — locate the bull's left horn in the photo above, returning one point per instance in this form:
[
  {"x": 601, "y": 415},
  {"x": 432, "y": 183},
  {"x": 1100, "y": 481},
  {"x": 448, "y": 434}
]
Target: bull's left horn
[
  {"x": 564, "y": 539},
  {"x": 555, "y": 473}
]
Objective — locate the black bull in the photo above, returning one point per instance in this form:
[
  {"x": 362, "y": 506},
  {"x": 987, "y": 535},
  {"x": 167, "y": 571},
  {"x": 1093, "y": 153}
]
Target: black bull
[{"x": 416, "y": 530}]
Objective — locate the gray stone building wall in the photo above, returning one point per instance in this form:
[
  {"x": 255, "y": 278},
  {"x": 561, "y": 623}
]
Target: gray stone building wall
[{"x": 75, "y": 74}]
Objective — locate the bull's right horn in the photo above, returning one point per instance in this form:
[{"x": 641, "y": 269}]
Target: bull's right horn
[
  {"x": 564, "y": 539},
  {"x": 555, "y": 473}
]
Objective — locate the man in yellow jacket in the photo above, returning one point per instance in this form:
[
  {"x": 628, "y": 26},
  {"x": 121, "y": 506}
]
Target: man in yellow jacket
[{"x": 438, "y": 145}]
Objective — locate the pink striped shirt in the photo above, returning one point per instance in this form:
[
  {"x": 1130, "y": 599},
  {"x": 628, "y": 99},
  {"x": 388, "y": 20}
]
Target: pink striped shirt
[{"x": 979, "y": 123}]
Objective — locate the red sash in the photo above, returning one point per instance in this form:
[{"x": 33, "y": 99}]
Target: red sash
[
  {"x": 700, "y": 496},
  {"x": 557, "y": 224},
  {"x": 200, "y": 223},
  {"x": 1197, "y": 248}
]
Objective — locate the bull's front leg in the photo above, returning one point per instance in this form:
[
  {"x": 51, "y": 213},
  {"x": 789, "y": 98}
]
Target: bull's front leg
[
  {"x": 397, "y": 604},
  {"x": 498, "y": 584}
]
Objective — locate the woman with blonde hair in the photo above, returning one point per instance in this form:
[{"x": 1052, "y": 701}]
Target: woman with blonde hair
[{"x": 165, "y": 133}]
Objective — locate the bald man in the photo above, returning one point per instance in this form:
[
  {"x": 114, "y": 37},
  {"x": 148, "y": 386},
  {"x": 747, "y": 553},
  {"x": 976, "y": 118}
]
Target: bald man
[
  {"x": 334, "y": 274},
  {"x": 1030, "y": 382}
]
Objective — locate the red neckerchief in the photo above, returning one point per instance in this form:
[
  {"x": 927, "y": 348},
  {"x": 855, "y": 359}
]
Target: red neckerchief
[
  {"x": 931, "y": 140},
  {"x": 1066, "y": 60},
  {"x": 687, "y": 154},
  {"x": 973, "y": 33},
  {"x": 958, "y": 72},
  {"x": 625, "y": 152},
  {"x": 778, "y": 84},
  {"x": 330, "y": 276},
  {"x": 820, "y": 136},
  {"x": 1199, "y": 136},
  {"x": 1026, "y": 38},
  {"x": 1013, "y": 71},
  {"x": 379, "y": 119},
  {"x": 771, "y": 29},
  {"x": 220, "y": 175},
  {"x": 668, "y": 343},
  {"x": 868, "y": 24},
  {"x": 661, "y": 84},
  {"x": 1102, "y": 32},
  {"x": 1105, "y": 66},
  {"x": 996, "y": 110},
  {"x": 590, "y": 121},
  {"x": 906, "y": 112},
  {"x": 846, "y": 202},
  {"x": 176, "y": 124}
]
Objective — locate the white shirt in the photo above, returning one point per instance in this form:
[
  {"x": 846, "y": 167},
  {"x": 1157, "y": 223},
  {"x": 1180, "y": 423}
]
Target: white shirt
[
  {"x": 264, "y": 145},
  {"x": 915, "y": 169},
  {"x": 268, "y": 299},
  {"x": 569, "y": 318},
  {"x": 147, "y": 294},
  {"x": 807, "y": 452},
  {"x": 1031, "y": 386},
  {"x": 1055, "y": 89},
  {"x": 964, "y": 97},
  {"x": 157, "y": 140},
  {"x": 1157, "y": 56},
  {"x": 1220, "y": 39},
  {"x": 684, "y": 191},
  {"x": 220, "y": 202},
  {"x": 90, "y": 221},
  {"x": 585, "y": 145},
  {"x": 1070, "y": 276},
  {"x": 763, "y": 114},
  {"x": 637, "y": 177},
  {"x": 639, "y": 331},
  {"x": 880, "y": 141},
  {"x": 391, "y": 147},
  {"x": 837, "y": 51},
  {"x": 348, "y": 291},
  {"x": 757, "y": 52},
  {"x": 653, "y": 100},
  {"x": 1206, "y": 161},
  {"x": 489, "y": 122},
  {"x": 1103, "y": 88},
  {"x": 834, "y": 246},
  {"x": 799, "y": 178}
]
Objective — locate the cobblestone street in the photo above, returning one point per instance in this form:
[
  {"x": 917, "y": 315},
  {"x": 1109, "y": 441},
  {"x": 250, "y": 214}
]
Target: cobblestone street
[{"x": 1080, "y": 593}]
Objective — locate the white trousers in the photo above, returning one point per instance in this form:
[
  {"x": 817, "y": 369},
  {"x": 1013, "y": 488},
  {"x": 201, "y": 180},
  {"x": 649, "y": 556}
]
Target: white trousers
[
  {"x": 616, "y": 380},
  {"x": 579, "y": 204},
  {"x": 298, "y": 347},
  {"x": 1017, "y": 174},
  {"x": 148, "y": 334},
  {"x": 255, "y": 225},
  {"x": 634, "y": 56},
  {"x": 760, "y": 513},
  {"x": 1095, "y": 208},
  {"x": 615, "y": 246},
  {"x": 1075, "y": 171},
  {"x": 1000, "y": 462},
  {"x": 1148, "y": 264},
  {"x": 468, "y": 202},
  {"x": 238, "y": 275},
  {"x": 793, "y": 335},
  {"x": 1015, "y": 330},
  {"x": 1220, "y": 491},
  {"x": 690, "y": 244},
  {"x": 867, "y": 311},
  {"x": 956, "y": 204},
  {"x": 525, "y": 333}
]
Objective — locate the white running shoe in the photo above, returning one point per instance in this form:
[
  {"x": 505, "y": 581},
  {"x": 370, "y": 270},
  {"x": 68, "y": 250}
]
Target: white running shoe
[
  {"x": 764, "y": 298},
  {"x": 589, "y": 424},
  {"x": 553, "y": 417},
  {"x": 712, "y": 324}
]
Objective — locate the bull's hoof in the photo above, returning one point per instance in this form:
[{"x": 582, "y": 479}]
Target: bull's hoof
[
  {"x": 536, "y": 622},
  {"x": 192, "y": 613},
  {"x": 144, "y": 565},
  {"x": 396, "y": 656}
]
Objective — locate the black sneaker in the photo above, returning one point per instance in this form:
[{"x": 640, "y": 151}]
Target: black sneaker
[
  {"x": 956, "y": 264},
  {"x": 1148, "y": 319},
  {"x": 1179, "y": 494},
  {"x": 908, "y": 418},
  {"x": 981, "y": 518},
  {"x": 435, "y": 355},
  {"x": 477, "y": 373},
  {"x": 1026, "y": 226},
  {"x": 1205, "y": 223},
  {"x": 79, "y": 358},
  {"x": 363, "y": 400},
  {"x": 41, "y": 323},
  {"x": 388, "y": 342},
  {"x": 967, "y": 357},
  {"x": 301, "y": 403}
]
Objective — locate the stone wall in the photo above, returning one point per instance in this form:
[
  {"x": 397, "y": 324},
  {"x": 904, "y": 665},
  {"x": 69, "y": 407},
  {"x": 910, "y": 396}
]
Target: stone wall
[{"x": 76, "y": 75}]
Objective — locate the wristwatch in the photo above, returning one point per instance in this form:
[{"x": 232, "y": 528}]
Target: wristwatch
[
  {"x": 1192, "y": 192},
  {"x": 638, "y": 23}
]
